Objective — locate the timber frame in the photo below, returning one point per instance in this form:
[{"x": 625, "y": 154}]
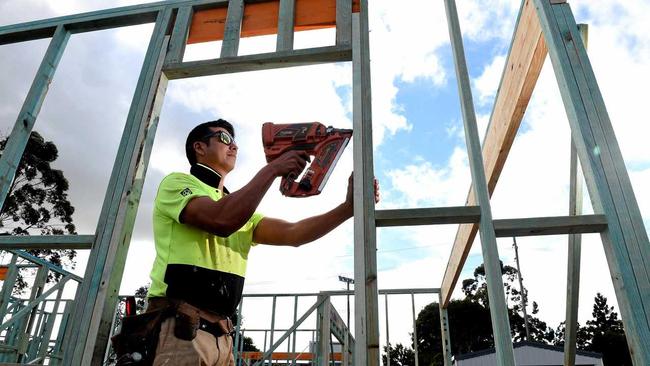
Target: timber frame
[{"x": 544, "y": 27}]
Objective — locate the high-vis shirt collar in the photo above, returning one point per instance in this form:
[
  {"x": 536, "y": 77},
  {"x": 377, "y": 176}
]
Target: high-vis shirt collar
[{"x": 207, "y": 175}]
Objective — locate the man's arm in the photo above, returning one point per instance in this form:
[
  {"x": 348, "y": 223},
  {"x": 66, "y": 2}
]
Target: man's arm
[
  {"x": 279, "y": 232},
  {"x": 227, "y": 215}
]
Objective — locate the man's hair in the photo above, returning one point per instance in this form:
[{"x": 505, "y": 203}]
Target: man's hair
[{"x": 199, "y": 133}]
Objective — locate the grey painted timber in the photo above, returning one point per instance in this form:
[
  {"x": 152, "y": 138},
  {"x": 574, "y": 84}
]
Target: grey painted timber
[
  {"x": 232, "y": 28},
  {"x": 555, "y": 225},
  {"x": 178, "y": 41},
  {"x": 574, "y": 248},
  {"x": 263, "y": 61},
  {"x": 498, "y": 308},
  {"x": 286, "y": 20},
  {"x": 44, "y": 263},
  {"x": 343, "y": 22},
  {"x": 22, "y": 129},
  {"x": 366, "y": 350},
  {"x": 87, "y": 338},
  {"x": 46, "y": 242},
  {"x": 428, "y": 216},
  {"x": 626, "y": 244},
  {"x": 444, "y": 330}
]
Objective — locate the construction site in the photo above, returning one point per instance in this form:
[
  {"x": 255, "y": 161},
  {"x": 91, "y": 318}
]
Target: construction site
[{"x": 71, "y": 321}]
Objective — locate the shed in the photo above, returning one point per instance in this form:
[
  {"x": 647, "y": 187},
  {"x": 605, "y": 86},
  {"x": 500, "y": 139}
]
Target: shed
[{"x": 530, "y": 354}]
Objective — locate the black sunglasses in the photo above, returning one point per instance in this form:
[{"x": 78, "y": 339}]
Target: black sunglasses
[{"x": 224, "y": 137}]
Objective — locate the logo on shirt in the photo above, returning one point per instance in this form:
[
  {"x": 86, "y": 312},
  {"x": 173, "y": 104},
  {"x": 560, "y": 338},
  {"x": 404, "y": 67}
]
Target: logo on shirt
[{"x": 186, "y": 192}]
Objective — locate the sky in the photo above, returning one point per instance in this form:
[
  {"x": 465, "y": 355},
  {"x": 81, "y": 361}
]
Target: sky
[{"x": 420, "y": 155}]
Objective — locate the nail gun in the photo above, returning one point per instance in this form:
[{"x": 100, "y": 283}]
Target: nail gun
[{"x": 325, "y": 143}]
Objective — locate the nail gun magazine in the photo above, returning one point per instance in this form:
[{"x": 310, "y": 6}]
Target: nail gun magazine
[{"x": 326, "y": 144}]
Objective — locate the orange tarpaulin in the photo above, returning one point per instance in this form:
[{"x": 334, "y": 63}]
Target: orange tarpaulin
[
  {"x": 3, "y": 272},
  {"x": 288, "y": 356},
  {"x": 262, "y": 19}
]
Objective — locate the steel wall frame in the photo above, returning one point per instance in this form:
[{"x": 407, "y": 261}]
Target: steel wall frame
[{"x": 617, "y": 218}]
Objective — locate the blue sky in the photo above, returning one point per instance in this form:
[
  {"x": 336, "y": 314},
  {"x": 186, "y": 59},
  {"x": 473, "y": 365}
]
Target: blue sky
[{"x": 419, "y": 158}]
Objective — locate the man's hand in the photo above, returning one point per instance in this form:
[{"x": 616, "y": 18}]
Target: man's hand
[
  {"x": 349, "y": 198},
  {"x": 289, "y": 164}
]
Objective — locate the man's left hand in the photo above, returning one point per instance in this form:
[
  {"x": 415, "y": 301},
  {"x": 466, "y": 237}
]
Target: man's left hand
[{"x": 349, "y": 199}]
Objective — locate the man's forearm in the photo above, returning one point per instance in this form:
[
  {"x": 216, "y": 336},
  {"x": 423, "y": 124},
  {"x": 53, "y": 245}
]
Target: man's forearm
[{"x": 312, "y": 228}]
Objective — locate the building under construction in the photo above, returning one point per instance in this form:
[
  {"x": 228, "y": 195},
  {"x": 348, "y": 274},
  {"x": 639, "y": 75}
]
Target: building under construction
[{"x": 46, "y": 328}]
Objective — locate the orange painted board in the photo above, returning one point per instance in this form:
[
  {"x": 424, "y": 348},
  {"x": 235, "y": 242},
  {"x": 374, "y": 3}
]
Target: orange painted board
[
  {"x": 288, "y": 356},
  {"x": 262, "y": 19},
  {"x": 3, "y": 272}
]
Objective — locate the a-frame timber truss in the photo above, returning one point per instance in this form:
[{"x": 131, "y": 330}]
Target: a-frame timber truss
[{"x": 544, "y": 26}]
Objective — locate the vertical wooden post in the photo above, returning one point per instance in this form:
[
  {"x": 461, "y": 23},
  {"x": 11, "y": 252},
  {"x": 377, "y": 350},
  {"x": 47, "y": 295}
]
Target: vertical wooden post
[
  {"x": 387, "y": 332},
  {"x": 444, "y": 330},
  {"x": 286, "y": 18},
  {"x": 238, "y": 338},
  {"x": 17, "y": 141},
  {"x": 343, "y": 22},
  {"x": 625, "y": 241},
  {"x": 365, "y": 246},
  {"x": 232, "y": 30},
  {"x": 574, "y": 250},
  {"x": 323, "y": 329},
  {"x": 496, "y": 296},
  {"x": 8, "y": 286},
  {"x": 415, "y": 330},
  {"x": 178, "y": 40},
  {"x": 87, "y": 338}
]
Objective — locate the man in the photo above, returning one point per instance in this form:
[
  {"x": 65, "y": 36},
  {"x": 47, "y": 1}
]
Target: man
[{"x": 203, "y": 234}]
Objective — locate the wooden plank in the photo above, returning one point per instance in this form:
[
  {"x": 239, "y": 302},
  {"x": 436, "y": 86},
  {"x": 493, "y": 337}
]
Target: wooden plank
[
  {"x": 556, "y": 225},
  {"x": 232, "y": 28},
  {"x": 263, "y": 61},
  {"x": 523, "y": 66},
  {"x": 46, "y": 242},
  {"x": 625, "y": 242},
  {"x": 285, "y": 23},
  {"x": 44, "y": 263},
  {"x": 445, "y": 337},
  {"x": 343, "y": 22},
  {"x": 574, "y": 249},
  {"x": 22, "y": 129},
  {"x": 4, "y": 271},
  {"x": 261, "y": 18},
  {"x": 415, "y": 331},
  {"x": 498, "y": 309},
  {"x": 427, "y": 216},
  {"x": 88, "y": 335},
  {"x": 366, "y": 349},
  {"x": 178, "y": 39}
]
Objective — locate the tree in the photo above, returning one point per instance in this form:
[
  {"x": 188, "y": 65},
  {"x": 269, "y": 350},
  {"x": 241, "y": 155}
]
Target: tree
[
  {"x": 399, "y": 355},
  {"x": 606, "y": 334},
  {"x": 37, "y": 203}
]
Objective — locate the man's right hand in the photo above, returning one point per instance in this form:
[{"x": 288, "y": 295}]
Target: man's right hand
[{"x": 290, "y": 163}]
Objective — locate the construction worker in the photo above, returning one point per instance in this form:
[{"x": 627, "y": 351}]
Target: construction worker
[{"x": 203, "y": 234}]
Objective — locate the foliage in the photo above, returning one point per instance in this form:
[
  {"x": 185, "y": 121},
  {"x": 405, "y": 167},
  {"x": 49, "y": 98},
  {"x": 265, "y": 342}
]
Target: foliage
[
  {"x": 399, "y": 355},
  {"x": 37, "y": 203},
  {"x": 606, "y": 334}
]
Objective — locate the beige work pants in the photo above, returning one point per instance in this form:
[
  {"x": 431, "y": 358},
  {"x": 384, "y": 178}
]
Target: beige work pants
[{"x": 204, "y": 350}]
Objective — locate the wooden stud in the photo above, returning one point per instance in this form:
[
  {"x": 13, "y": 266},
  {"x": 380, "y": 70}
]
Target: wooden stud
[
  {"x": 8, "y": 286},
  {"x": 626, "y": 243},
  {"x": 44, "y": 263},
  {"x": 427, "y": 216},
  {"x": 343, "y": 22},
  {"x": 19, "y": 136},
  {"x": 231, "y": 33},
  {"x": 498, "y": 308},
  {"x": 387, "y": 332},
  {"x": 523, "y": 66},
  {"x": 415, "y": 331},
  {"x": 88, "y": 336},
  {"x": 286, "y": 19},
  {"x": 176, "y": 48},
  {"x": 366, "y": 351},
  {"x": 555, "y": 225},
  {"x": 46, "y": 242},
  {"x": 574, "y": 250},
  {"x": 265, "y": 61}
]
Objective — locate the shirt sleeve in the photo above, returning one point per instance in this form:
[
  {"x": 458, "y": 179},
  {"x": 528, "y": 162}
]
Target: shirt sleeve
[
  {"x": 253, "y": 221},
  {"x": 174, "y": 192}
]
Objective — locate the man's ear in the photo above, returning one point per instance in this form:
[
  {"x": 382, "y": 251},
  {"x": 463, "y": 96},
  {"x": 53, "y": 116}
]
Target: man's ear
[{"x": 199, "y": 148}]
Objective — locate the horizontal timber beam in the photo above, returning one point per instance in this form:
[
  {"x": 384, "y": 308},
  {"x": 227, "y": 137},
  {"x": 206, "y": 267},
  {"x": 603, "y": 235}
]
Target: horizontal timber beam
[
  {"x": 43, "y": 262},
  {"x": 428, "y": 216},
  {"x": 264, "y": 61},
  {"x": 46, "y": 242},
  {"x": 523, "y": 66},
  {"x": 395, "y": 291},
  {"x": 556, "y": 225}
]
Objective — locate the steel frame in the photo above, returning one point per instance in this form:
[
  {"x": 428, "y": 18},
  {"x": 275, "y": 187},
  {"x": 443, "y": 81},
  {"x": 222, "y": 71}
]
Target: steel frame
[{"x": 544, "y": 26}]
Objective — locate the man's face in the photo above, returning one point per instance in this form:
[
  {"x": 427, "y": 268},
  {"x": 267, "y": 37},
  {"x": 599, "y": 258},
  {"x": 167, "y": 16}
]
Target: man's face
[{"x": 216, "y": 153}]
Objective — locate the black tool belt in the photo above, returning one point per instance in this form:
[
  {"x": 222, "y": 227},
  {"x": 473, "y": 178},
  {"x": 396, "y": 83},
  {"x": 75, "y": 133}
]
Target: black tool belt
[{"x": 189, "y": 319}]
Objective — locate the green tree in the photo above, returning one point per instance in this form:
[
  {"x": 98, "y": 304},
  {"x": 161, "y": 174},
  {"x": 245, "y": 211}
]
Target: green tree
[
  {"x": 399, "y": 355},
  {"x": 37, "y": 203},
  {"x": 606, "y": 334}
]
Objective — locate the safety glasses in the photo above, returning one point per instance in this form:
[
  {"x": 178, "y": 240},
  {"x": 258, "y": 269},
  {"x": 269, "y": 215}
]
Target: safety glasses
[{"x": 224, "y": 137}]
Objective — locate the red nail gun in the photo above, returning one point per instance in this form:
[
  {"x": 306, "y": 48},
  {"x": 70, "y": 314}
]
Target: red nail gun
[{"x": 325, "y": 143}]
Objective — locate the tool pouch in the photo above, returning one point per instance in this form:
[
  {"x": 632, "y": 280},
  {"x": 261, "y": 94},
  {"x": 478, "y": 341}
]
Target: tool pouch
[
  {"x": 138, "y": 338},
  {"x": 186, "y": 325}
]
